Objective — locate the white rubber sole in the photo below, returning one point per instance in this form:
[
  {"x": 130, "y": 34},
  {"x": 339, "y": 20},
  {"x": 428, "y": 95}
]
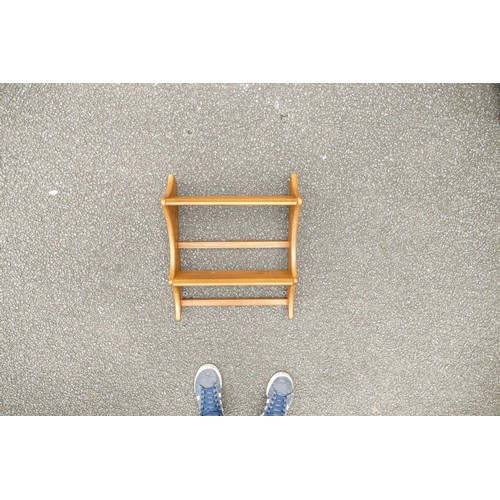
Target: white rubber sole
[
  {"x": 274, "y": 377},
  {"x": 205, "y": 367}
]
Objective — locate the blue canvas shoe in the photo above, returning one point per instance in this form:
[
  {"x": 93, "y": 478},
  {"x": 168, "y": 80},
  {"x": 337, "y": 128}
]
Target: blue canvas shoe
[
  {"x": 279, "y": 395},
  {"x": 208, "y": 390}
]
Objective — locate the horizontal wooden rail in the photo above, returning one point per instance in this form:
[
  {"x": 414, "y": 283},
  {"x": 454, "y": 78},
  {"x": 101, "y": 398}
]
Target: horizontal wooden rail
[
  {"x": 234, "y": 302},
  {"x": 234, "y": 244},
  {"x": 229, "y": 200}
]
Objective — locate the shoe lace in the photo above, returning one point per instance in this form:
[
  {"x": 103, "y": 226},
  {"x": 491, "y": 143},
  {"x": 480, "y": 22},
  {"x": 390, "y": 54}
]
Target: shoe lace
[
  {"x": 277, "y": 406},
  {"x": 210, "y": 402}
]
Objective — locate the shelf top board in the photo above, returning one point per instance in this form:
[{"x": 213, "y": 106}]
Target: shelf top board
[{"x": 230, "y": 200}]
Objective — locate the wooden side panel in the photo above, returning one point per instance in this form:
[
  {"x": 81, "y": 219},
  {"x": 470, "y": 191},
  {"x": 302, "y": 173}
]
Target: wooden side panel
[
  {"x": 172, "y": 219},
  {"x": 293, "y": 228}
]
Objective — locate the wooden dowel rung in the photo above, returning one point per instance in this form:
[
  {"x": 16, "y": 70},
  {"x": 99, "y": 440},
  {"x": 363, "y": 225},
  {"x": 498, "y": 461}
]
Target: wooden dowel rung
[
  {"x": 234, "y": 244},
  {"x": 235, "y": 302}
]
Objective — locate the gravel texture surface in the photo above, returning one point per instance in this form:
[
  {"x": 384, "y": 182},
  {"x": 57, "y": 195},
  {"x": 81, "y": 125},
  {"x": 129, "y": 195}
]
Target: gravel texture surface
[{"x": 397, "y": 302}]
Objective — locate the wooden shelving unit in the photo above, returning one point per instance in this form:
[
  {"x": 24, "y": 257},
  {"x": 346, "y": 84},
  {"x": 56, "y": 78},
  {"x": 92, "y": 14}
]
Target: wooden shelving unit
[{"x": 282, "y": 277}]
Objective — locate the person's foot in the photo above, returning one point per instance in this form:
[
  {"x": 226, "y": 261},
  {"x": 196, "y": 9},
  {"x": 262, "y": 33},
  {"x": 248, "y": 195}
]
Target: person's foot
[
  {"x": 208, "y": 390},
  {"x": 279, "y": 395}
]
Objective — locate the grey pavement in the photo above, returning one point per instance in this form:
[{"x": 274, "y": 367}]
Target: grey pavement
[{"x": 397, "y": 302}]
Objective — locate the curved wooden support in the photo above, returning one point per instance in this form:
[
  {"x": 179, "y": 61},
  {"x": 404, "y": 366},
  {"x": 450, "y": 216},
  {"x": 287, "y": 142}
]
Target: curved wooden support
[
  {"x": 172, "y": 218},
  {"x": 293, "y": 226}
]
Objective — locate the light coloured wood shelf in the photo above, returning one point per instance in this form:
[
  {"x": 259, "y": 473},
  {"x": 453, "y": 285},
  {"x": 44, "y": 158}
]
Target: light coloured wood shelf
[
  {"x": 229, "y": 200},
  {"x": 282, "y": 277},
  {"x": 233, "y": 278}
]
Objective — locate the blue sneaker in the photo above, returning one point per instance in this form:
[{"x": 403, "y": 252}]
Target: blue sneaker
[
  {"x": 279, "y": 395},
  {"x": 208, "y": 390}
]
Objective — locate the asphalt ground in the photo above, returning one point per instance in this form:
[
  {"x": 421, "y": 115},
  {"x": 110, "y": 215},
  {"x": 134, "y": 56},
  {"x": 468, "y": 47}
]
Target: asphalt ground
[{"x": 397, "y": 302}]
